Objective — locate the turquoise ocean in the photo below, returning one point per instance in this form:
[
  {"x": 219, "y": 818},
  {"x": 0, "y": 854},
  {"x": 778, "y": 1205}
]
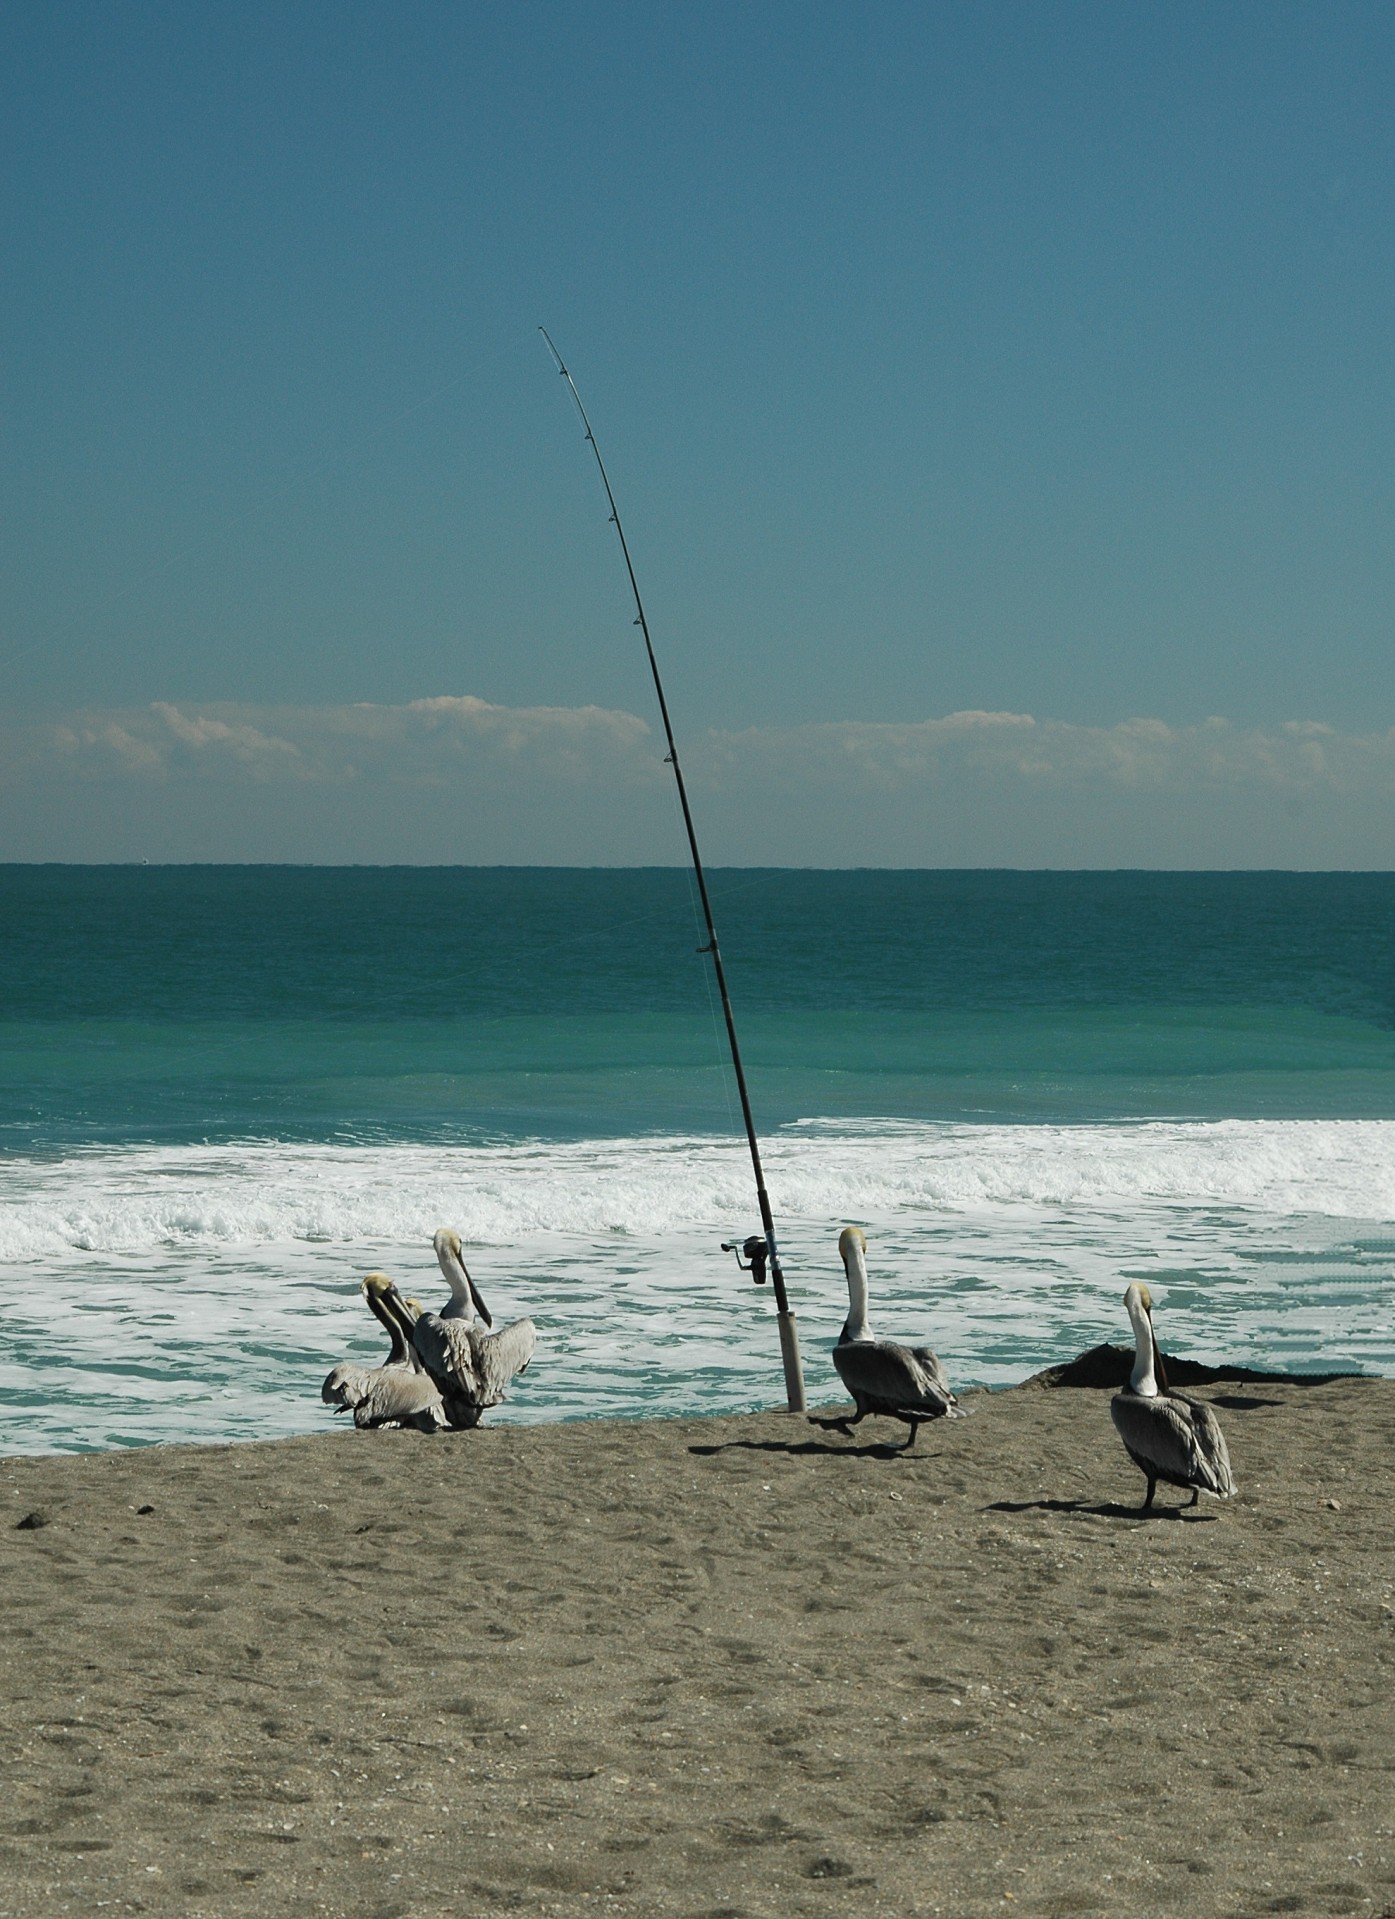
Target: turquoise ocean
[{"x": 227, "y": 1092}]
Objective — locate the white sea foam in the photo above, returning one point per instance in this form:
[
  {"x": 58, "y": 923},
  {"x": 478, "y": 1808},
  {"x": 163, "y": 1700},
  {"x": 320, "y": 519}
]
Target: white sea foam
[
  {"x": 139, "y": 1199},
  {"x": 201, "y": 1292}
]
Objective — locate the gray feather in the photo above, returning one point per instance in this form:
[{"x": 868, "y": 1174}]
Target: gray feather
[
  {"x": 399, "y": 1397},
  {"x": 350, "y": 1385},
  {"x": 470, "y": 1364},
  {"x": 1174, "y": 1438},
  {"x": 884, "y": 1377}
]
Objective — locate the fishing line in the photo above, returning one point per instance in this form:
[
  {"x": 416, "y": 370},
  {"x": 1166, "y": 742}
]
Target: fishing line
[{"x": 759, "y": 1252}]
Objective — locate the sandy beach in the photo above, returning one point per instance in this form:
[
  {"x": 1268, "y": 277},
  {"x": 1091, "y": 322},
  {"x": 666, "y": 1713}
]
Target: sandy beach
[{"x": 735, "y": 1666}]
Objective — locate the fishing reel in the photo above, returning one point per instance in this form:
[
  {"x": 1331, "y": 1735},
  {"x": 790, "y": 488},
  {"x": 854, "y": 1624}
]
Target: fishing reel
[{"x": 757, "y": 1256}]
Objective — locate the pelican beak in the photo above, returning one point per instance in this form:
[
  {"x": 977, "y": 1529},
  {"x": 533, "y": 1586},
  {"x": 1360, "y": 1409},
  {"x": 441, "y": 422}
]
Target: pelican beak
[
  {"x": 475, "y": 1295},
  {"x": 405, "y": 1306}
]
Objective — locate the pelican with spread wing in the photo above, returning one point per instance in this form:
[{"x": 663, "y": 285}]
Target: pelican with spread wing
[{"x": 470, "y": 1363}]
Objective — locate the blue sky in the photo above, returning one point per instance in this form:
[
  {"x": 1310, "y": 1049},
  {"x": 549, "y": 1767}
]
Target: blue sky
[{"x": 1027, "y": 359}]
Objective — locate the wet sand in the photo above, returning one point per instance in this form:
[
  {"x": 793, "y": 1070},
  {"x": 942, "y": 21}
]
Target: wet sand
[{"x": 703, "y": 1667}]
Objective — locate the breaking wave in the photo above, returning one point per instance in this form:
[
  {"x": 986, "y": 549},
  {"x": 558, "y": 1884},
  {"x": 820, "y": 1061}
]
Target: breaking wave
[{"x": 138, "y": 1199}]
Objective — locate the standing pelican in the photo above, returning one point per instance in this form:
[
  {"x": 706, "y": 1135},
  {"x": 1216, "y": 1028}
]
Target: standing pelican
[
  {"x": 470, "y": 1366},
  {"x": 899, "y": 1382},
  {"x": 397, "y": 1393},
  {"x": 1166, "y": 1434}
]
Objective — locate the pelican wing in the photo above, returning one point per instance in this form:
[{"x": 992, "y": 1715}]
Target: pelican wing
[
  {"x": 399, "y": 1397},
  {"x": 1174, "y": 1438},
  {"x": 499, "y": 1356},
  {"x": 934, "y": 1371},
  {"x": 446, "y": 1348},
  {"x": 345, "y": 1384},
  {"x": 469, "y": 1364},
  {"x": 893, "y": 1378}
]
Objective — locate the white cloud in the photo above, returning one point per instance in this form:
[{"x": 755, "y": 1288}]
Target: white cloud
[
  {"x": 1014, "y": 749},
  {"x": 428, "y": 742},
  {"x": 245, "y": 742},
  {"x": 454, "y": 777}
]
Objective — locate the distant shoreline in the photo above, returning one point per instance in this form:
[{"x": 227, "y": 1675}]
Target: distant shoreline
[{"x": 681, "y": 867}]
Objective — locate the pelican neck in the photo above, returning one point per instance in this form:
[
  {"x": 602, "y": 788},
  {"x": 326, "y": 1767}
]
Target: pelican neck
[
  {"x": 855, "y": 1266},
  {"x": 1143, "y": 1380},
  {"x": 461, "y": 1304}
]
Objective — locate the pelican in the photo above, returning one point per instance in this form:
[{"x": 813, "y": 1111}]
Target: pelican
[
  {"x": 1167, "y": 1435},
  {"x": 345, "y": 1381},
  {"x": 397, "y": 1393},
  {"x": 470, "y": 1366},
  {"x": 899, "y": 1382}
]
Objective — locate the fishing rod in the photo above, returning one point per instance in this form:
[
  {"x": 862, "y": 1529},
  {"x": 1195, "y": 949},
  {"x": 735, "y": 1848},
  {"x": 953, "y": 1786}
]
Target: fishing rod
[{"x": 759, "y": 1252}]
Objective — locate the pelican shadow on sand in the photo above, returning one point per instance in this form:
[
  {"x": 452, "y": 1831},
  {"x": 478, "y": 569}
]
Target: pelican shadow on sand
[
  {"x": 817, "y": 1448},
  {"x": 1109, "y": 1509}
]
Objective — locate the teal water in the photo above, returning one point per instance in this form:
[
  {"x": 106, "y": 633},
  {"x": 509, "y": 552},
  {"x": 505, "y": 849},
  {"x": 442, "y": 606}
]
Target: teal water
[
  {"x": 216, "y": 1002},
  {"x": 225, "y": 1093}
]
